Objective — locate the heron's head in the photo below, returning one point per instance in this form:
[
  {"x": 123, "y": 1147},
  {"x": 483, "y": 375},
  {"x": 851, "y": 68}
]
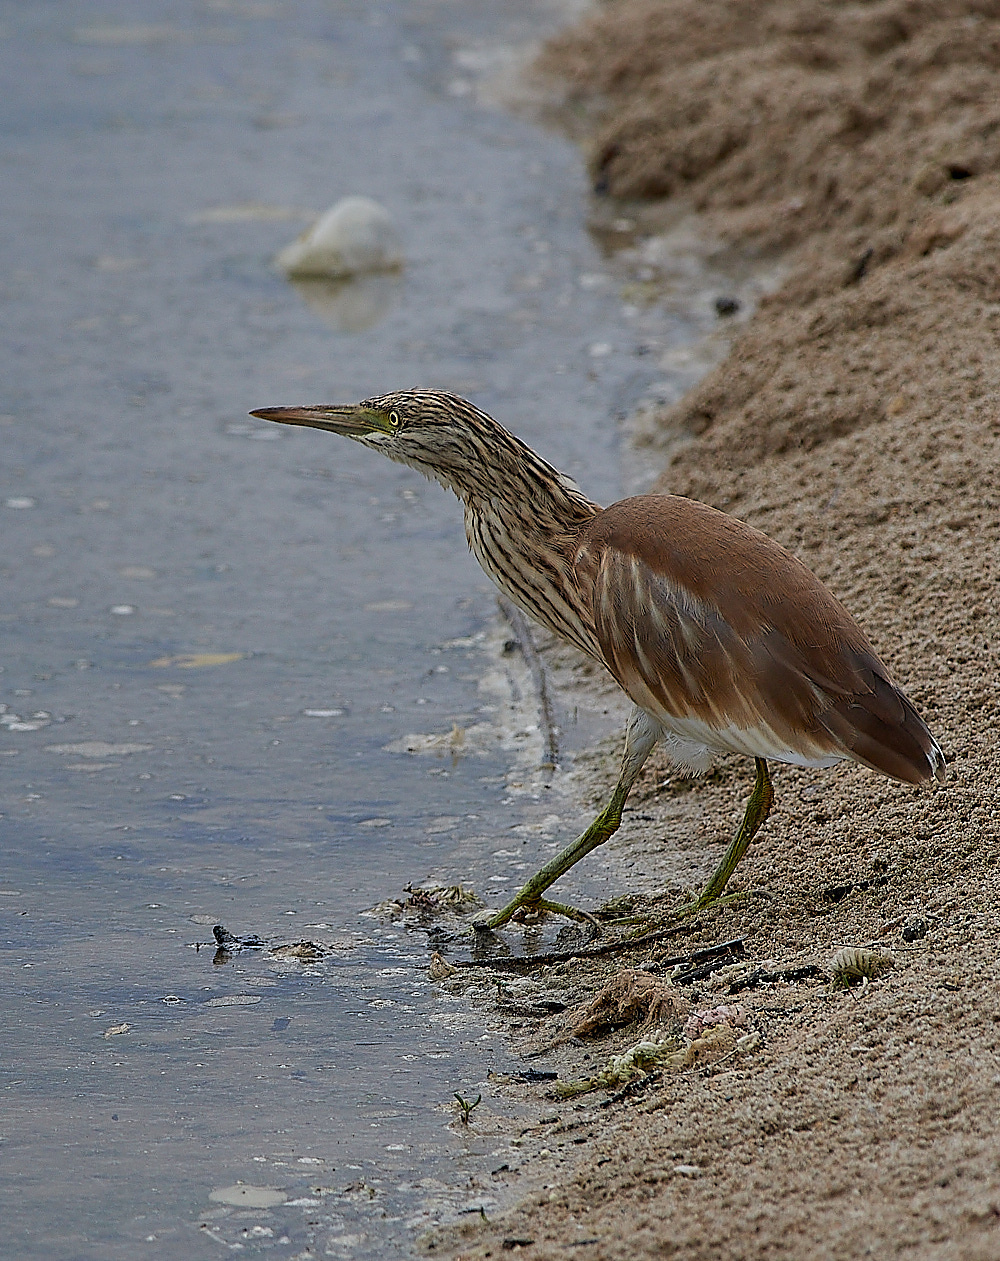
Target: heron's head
[{"x": 441, "y": 434}]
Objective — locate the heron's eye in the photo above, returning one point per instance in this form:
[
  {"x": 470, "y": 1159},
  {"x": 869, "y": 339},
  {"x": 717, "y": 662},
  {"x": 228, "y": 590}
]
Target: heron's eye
[{"x": 394, "y": 419}]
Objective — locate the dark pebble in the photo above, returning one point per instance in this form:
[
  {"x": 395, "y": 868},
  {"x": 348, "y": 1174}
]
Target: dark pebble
[{"x": 914, "y": 929}]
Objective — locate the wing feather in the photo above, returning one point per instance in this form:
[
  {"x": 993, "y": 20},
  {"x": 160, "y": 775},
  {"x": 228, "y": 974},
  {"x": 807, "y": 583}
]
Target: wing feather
[{"x": 725, "y": 637}]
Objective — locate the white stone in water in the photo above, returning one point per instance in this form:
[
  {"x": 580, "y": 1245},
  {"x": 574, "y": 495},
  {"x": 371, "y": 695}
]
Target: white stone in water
[{"x": 355, "y": 236}]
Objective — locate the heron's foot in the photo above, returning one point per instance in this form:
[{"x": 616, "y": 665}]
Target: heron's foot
[
  {"x": 527, "y": 914},
  {"x": 708, "y": 900},
  {"x": 525, "y": 911},
  {"x": 688, "y": 910},
  {"x": 626, "y": 909}
]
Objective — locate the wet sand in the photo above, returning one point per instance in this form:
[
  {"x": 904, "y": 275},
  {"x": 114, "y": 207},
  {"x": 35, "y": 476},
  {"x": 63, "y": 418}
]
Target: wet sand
[{"x": 856, "y": 421}]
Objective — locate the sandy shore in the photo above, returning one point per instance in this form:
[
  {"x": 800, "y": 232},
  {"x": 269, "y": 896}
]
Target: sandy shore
[{"x": 856, "y": 420}]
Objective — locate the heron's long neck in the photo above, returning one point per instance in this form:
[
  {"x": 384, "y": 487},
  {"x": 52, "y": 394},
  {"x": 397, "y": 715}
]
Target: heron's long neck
[{"x": 521, "y": 518}]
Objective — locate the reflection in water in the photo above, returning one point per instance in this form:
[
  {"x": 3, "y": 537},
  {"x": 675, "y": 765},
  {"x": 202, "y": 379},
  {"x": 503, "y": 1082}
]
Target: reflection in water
[{"x": 354, "y": 305}]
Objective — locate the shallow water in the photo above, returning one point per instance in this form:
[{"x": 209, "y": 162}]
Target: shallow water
[{"x": 214, "y": 628}]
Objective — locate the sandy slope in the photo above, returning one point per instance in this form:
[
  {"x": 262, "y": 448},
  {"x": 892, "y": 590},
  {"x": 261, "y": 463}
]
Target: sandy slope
[{"x": 857, "y": 420}]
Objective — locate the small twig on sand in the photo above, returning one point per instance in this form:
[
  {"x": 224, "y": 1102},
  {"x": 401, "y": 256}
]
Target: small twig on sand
[{"x": 513, "y": 962}]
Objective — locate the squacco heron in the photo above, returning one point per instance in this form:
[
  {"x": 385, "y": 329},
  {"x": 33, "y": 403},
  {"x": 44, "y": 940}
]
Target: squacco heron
[{"x": 722, "y": 639}]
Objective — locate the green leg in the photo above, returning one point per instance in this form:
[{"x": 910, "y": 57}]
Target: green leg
[
  {"x": 530, "y": 896},
  {"x": 641, "y": 734},
  {"x": 757, "y": 811}
]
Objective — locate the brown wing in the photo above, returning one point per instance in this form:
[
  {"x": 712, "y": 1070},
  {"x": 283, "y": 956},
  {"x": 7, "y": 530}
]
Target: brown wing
[{"x": 727, "y": 638}]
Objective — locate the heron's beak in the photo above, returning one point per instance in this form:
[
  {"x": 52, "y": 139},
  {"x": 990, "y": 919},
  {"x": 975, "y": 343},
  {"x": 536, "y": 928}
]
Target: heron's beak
[{"x": 353, "y": 420}]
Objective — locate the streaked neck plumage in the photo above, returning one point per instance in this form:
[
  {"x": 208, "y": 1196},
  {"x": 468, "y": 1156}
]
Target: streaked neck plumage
[
  {"x": 522, "y": 531},
  {"x": 523, "y": 536}
]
